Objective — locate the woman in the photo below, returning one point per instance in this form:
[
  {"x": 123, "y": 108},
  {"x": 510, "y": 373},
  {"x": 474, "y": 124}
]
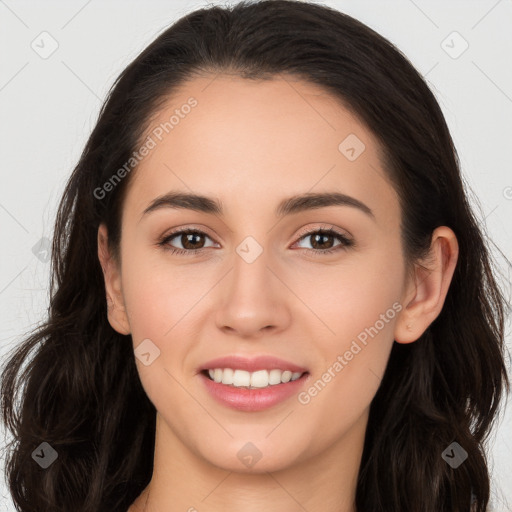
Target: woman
[{"x": 204, "y": 349}]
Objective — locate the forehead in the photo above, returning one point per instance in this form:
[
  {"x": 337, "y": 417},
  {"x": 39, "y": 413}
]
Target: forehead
[{"x": 254, "y": 140}]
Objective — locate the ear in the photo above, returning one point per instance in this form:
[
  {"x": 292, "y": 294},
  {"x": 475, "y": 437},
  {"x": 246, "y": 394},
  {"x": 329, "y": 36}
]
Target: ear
[
  {"x": 428, "y": 287},
  {"x": 112, "y": 274}
]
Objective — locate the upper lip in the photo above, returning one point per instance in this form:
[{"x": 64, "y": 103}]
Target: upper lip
[{"x": 263, "y": 362}]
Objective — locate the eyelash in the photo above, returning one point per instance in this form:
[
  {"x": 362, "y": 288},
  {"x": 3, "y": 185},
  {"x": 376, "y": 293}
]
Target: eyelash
[{"x": 345, "y": 242}]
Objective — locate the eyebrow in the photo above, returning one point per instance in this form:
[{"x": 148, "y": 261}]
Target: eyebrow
[{"x": 291, "y": 205}]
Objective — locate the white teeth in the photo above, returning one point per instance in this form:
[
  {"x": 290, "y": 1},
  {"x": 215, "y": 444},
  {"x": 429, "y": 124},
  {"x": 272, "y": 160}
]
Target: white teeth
[
  {"x": 258, "y": 379},
  {"x": 274, "y": 377},
  {"x": 241, "y": 378},
  {"x": 227, "y": 376},
  {"x": 287, "y": 375}
]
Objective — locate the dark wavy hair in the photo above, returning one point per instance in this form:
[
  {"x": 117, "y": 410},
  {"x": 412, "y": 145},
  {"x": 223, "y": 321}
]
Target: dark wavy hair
[{"x": 73, "y": 382}]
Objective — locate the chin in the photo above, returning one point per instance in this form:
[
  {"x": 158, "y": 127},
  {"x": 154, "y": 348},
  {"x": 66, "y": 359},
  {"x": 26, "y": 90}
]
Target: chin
[{"x": 250, "y": 457}]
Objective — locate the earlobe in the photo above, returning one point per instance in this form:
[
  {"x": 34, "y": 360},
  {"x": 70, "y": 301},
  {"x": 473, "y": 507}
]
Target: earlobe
[
  {"x": 116, "y": 310},
  {"x": 426, "y": 294}
]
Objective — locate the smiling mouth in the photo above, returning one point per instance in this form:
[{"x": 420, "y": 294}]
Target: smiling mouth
[{"x": 252, "y": 380}]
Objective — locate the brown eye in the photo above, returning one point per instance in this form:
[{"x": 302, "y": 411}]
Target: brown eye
[
  {"x": 191, "y": 241},
  {"x": 323, "y": 241}
]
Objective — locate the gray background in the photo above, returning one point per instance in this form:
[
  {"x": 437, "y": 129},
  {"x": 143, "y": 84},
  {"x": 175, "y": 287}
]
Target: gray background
[{"x": 49, "y": 104}]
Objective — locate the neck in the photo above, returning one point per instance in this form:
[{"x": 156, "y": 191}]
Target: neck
[{"x": 182, "y": 481}]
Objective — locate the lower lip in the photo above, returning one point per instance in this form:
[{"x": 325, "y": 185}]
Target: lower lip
[{"x": 251, "y": 400}]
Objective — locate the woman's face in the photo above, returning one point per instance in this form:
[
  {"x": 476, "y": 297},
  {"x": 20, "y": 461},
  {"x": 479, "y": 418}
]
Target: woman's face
[{"x": 265, "y": 282}]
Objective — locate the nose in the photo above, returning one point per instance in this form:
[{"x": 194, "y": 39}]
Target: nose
[{"x": 253, "y": 298}]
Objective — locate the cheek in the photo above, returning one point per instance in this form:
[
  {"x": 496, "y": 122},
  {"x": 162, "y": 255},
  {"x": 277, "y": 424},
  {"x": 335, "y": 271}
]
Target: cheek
[
  {"x": 158, "y": 294},
  {"x": 349, "y": 297},
  {"x": 359, "y": 305},
  {"x": 148, "y": 298},
  {"x": 160, "y": 308},
  {"x": 340, "y": 390}
]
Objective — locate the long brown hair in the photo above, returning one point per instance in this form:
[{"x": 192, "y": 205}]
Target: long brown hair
[{"x": 73, "y": 382}]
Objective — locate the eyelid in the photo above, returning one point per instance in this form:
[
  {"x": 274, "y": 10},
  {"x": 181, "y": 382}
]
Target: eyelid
[
  {"x": 184, "y": 229},
  {"x": 324, "y": 227}
]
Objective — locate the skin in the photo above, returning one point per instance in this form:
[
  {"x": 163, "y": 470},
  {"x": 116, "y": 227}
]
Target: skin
[{"x": 252, "y": 144}]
